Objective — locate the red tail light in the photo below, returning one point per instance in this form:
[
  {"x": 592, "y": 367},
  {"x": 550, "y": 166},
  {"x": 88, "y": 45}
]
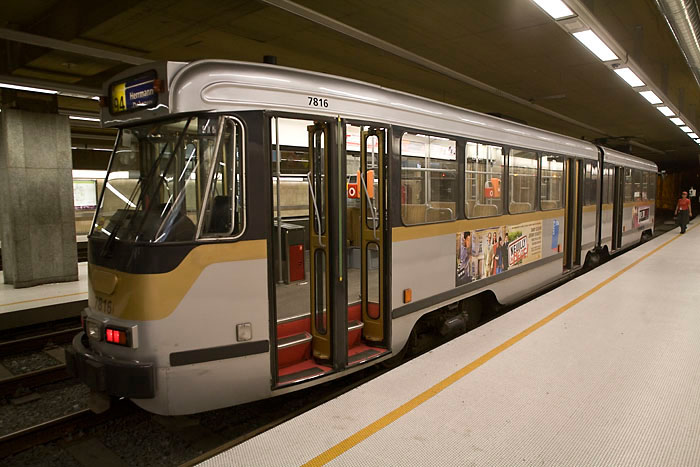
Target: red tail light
[{"x": 116, "y": 336}]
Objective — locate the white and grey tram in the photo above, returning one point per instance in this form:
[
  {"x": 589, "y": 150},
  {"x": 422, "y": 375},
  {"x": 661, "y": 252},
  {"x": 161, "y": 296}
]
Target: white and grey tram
[{"x": 262, "y": 229}]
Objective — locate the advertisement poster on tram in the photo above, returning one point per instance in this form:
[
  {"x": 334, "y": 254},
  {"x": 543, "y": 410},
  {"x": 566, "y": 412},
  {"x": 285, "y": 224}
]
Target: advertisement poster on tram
[{"x": 487, "y": 252}]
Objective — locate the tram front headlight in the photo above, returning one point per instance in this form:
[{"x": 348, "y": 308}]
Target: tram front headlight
[{"x": 92, "y": 328}]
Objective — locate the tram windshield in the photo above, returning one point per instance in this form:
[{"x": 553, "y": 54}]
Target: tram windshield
[{"x": 167, "y": 181}]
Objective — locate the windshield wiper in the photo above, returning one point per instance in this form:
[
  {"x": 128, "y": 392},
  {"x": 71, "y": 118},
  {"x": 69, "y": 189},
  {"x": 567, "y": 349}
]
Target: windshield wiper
[
  {"x": 120, "y": 221},
  {"x": 161, "y": 177}
]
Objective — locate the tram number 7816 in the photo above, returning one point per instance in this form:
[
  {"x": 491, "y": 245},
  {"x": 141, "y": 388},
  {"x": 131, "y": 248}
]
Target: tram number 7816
[
  {"x": 104, "y": 305},
  {"x": 318, "y": 102}
]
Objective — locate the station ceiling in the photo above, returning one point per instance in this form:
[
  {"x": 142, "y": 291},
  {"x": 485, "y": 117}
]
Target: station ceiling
[{"x": 511, "y": 45}]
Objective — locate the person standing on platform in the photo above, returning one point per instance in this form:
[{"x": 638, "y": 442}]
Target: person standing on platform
[{"x": 683, "y": 211}]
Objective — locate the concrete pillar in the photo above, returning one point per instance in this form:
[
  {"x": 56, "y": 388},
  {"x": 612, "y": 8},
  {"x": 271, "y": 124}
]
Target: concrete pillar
[{"x": 36, "y": 199}]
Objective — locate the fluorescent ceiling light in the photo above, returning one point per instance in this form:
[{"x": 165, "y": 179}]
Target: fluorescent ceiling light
[
  {"x": 85, "y": 148},
  {"x": 665, "y": 110},
  {"x": 693, "y": 135},
  {"x": 595, "y": 45},
  {"x": 555, "y": 8},
  {"x": 87, "y": 119},
  {"x": 677, "y": 121},
  {"x": 686, "y": 128},
  {"x": 651, "y": 97},
  {"x": 27, "y": 88},
  {"x": 629, "y": 76}
]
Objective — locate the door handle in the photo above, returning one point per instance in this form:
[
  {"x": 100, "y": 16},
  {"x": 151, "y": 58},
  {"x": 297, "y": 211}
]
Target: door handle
[
  {"x": 374, "y": 211},
  {"x": 318, "y": 216}
]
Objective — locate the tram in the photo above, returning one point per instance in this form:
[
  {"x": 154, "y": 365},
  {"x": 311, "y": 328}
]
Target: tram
[{"x": 262, "y": 229}]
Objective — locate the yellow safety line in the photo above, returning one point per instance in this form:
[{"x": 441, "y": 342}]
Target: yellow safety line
[
  {"x": 40, "y": 299},
  {"x": 402, "y": 410}
]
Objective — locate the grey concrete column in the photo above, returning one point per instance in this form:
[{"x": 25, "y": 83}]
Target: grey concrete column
[{"x": 37, "y": 215}]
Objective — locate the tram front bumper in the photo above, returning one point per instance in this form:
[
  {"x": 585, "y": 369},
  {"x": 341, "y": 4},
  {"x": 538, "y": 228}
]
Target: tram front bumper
[{"x": 125, "y": 378}]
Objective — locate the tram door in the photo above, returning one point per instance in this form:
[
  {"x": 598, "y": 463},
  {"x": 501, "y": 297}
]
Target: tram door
[
  {"x": 318, "y": 178},
  {"x": 573, "y": 214},
  {"x": 618, "y": 207},
  {"x": 365, "y": 151},
  {"x": 327, "y": 264}
]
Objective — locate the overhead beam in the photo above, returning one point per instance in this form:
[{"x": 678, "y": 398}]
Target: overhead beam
[{"x": 56, "y": 44}]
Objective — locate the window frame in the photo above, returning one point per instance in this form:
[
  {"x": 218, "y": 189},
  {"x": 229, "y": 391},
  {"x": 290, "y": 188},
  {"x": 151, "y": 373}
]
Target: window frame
[
  {"x": 504, "y": 174},
  {"x": 201, "y": 236},
  {"x": 591, "y": 182},
  {"x": 399, "y": 133},
  {"x": 627, "y": 186},
  {"x": 637, "y": 183},
  {"x": 651, "y": 186},
  {"x": 536, "y": 204},
  {"x": 562, "y": 199}
]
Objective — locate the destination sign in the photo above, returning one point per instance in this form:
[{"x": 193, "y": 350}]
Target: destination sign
[{"x": 133, "y": 93}]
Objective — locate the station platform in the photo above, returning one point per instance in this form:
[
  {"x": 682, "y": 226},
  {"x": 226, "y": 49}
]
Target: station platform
[
  {"x": 43, "y": 303},
  {"x": 601, "y": 371}
]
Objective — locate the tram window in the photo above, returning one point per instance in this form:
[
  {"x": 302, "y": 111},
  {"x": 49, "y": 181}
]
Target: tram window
[
  {"x": 608, "y": 184},
  {"x": 223, "y": 215},
  {"x": 629, "y": 194},
  {"x": 294, "y": 168},
  {"x": 637, "y": 184},
  {"x": 294, "y": 146},
  {"x": 651, "y": 186},
  {"x": 157, "y": 182},
  {"x": 590, "y": 183},
  {"x": 522, "y": 177},
  {"x": 483, "y": 182},
  {"x": 552, "y": 182},
  {"x": 428, "y": 179},
  {"x": 644, "y": 190}
]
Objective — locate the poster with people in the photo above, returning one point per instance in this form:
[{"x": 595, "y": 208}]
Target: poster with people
[{"x": 487, "y": 252}]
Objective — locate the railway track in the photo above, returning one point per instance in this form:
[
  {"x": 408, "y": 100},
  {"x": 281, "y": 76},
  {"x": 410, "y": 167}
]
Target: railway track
[
  {"x": 59, "y": 428},
  {"x": 48, "y": 343},
  {"x": 37, "y": 342},
  {"x": 11, "y": 384}
]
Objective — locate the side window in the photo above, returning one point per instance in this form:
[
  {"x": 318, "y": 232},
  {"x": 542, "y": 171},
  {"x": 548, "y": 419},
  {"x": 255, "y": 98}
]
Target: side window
[
  {"x": 522, "y": 178},
  {"x": 629, "y": 194},
  {"x": 608, "y": 184},
  {"x": 484, "y": 177},
  {"x": 293, "y": 167},
  {"x": 224, "y": 212},
  {"x": 428, "y": 179},
  {"x": 552, "y": 182},
  {"x": 637, "y": 184},
  {"x": 651, "y": 186},
  {"x": 590, "y": 186}
]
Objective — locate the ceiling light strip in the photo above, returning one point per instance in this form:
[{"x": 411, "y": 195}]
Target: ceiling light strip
[
  {"x": 68, "y": 90},
  {"x": 585, "y": 19},
  {"x": 555, "y": 8},
  {"x": 594, "y": 43},
  {"x": 630, "y": 77}
]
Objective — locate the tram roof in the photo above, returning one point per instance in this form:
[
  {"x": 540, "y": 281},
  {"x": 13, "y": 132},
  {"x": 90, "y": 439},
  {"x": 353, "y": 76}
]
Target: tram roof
[
  {"x": 222, "y": 85},
  {"x": 620, "y": 158}
]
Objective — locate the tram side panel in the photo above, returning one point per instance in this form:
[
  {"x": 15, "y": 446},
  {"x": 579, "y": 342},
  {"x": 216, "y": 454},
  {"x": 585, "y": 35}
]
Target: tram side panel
[{"x": 429, "y": 266}]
